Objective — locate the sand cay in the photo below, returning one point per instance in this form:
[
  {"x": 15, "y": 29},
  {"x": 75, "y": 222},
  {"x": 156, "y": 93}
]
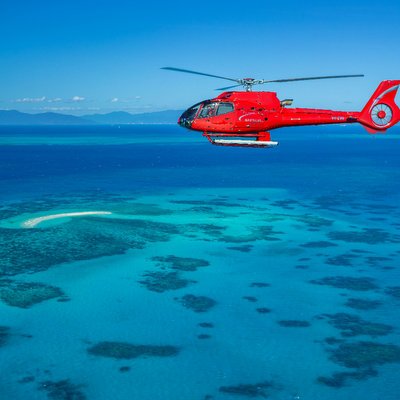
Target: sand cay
[{"x": 31, "y": 223}]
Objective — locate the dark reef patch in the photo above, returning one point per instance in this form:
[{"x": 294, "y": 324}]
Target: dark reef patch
[
  {"x": 180, "y": 263},
  {"x": 376, "y": 261},
  {"x": 263, "y": 310},
  {"x": 207, "y": 203},
  {"x": 351, "y": 325},
  {"x": 365, "y": 354},
  {"x": 263, "y": 232},
  {"x": 362, "y": 304},
  {"x": 287, "y": 204},
  {"x": 248, "y": 390},
  {"x": 340, "y": 379},
  {"x": 313, "y": 221},
  {"x": 206, "y": 325},
  {"x": 366, "y": 235},
  {"x": 347, "y": 282},
  {"x": 197, "y": 303},
  {"x": 27, "y": 379},
  {"x": 127, "y": 351},
  {"x": 4, "y": 334},
  {"x": 251, "y": 299},
  {"x": 322, "y": 244},
  {"x": 210, "y": 230},
  {"x": 26, "y": 294},
  {"x": 160, "y": 281},
  {"x": 204, "y": 336},
  {"x": 259, "y": 284},
  {"x": 342, "y": 260},
  {"x": 294, "y": 323},
  {"x": 331, "y": 340},
  {"x": 245, "y": 248},
  {"x": 62, "y": 390},
  {"x": 393, "y": 291},
  {"x": 147, "y": 209}
]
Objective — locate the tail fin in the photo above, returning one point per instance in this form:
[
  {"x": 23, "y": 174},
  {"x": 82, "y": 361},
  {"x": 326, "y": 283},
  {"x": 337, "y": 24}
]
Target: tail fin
[{"x": 381, "y": 112}]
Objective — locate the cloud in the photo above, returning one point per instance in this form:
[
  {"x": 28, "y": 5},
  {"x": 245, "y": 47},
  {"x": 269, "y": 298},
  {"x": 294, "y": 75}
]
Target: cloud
[
  {"x": 78, "y": 98},
  {"x": 31, "y": 100},
  {"x": 125, "y": 100}
]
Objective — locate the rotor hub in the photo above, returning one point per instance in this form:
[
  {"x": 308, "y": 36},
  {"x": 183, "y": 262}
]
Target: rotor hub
[{"x": 381, "y": 114}]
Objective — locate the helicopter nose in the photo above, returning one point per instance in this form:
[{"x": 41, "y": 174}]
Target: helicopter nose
[{"x": 184, "y": 121}]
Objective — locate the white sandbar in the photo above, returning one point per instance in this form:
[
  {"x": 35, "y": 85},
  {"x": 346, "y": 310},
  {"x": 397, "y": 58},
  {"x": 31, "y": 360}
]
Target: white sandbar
[{"x": 31, "y": 223}]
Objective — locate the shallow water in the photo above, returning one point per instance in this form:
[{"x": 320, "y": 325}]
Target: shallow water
[{"x": 243, "y": 261}]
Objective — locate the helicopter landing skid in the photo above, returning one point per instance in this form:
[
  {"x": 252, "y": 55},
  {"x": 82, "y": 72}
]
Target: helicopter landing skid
[{"x": 260, "y": 139}]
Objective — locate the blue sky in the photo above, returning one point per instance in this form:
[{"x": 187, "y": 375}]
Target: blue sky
[{"x": 97, "y": 56}]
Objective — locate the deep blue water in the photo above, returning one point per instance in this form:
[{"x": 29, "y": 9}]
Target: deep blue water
[{"x": 300, "y": 219}]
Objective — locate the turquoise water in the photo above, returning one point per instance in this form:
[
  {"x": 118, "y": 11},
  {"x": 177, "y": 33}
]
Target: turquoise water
[{"x": 221, "y": 273}]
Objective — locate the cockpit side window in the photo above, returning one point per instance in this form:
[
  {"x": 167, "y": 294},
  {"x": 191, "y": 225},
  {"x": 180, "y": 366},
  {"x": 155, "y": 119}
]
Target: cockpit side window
[
  {"x": 208, "y": 110},
  {"x": 224, "y": 108},
  {"x": 213, "y": 109}
]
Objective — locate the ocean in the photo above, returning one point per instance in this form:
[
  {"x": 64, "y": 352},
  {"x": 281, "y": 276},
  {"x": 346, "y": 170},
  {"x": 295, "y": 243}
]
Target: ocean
[{"x": 141, "y": 262}]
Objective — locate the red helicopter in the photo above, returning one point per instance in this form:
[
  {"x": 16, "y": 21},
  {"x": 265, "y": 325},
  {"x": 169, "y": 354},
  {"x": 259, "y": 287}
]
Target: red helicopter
[{"x": 245, "y": 118}]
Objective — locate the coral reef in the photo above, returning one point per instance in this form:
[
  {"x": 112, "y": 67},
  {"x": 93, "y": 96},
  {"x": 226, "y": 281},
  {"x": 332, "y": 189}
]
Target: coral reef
[
  {"x": 181, "y": 263},
  {"x": 62, "y": 390},
  {"x": 204, "y": 336},
  {"x": 351, "y": 325},
  {"x": 263, "y": 310},
  {"x": 127, "y": 351},
  {"x": 197, "y": 303},
  {"x": 26, "y": 294},
  {"x": 332, "y": 340},
  {"x": 365, "y": 354},
  {"x": 366, "y": 235},
  {"x": 251, "y": 299},
  {"x": 259, "y": 284},
  {"x": 340, "y": 379},
  {"x": 4, "y": 334},
  {"x": 206, "y": 325},
  {"x": 347, "y": 282},
  {"x": 342, "y": 260},
  {"x": 33, "y": 250},
  {"x": 27, "y": 379},
  {"x": 245, "y": 248},
  {"x": 362, "y": 304},
  {"x": 393, "y": 291},
  {"x": 159, "y": 281},
  {"x": 320, "y": 244},
  {"x": 248, "y": 390},
  {"x": 294, "y": 323}
]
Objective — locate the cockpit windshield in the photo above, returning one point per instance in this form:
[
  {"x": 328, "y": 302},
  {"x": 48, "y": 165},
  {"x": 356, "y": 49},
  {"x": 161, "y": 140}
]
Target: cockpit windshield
[
  {"x": 213, "y": 109},
  {"x": 205, "y": 109}
]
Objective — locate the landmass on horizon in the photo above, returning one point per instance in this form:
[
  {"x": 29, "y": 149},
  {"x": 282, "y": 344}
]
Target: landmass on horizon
[{"x": 14, "y": 117}]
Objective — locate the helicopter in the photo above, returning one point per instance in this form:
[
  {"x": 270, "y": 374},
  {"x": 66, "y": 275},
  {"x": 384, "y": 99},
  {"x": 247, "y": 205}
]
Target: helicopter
[{"x": 245, "y": 118}]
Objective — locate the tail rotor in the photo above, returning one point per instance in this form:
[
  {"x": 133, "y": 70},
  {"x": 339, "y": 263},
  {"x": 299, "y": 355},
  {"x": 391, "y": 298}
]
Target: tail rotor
[{"x": 381, "y": 112}]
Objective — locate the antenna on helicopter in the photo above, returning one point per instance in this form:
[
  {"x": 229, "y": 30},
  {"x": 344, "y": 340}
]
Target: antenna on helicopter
[{"x": 248, "y": 83}]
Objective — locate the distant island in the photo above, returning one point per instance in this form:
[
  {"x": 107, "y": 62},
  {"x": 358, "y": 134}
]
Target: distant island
[{"x": 13, "y": 117}]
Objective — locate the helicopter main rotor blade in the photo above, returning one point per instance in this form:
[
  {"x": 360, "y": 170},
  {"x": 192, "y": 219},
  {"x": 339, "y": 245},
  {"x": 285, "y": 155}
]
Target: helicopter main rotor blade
[
  {"x": 228, "y": 87},
  {"x": 198, "y": 73},
  {"x": 314, "y": 78}
]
